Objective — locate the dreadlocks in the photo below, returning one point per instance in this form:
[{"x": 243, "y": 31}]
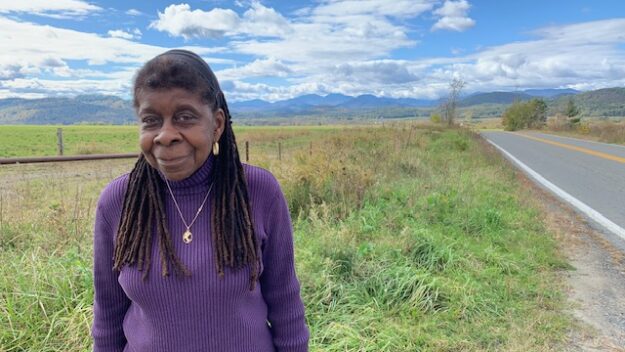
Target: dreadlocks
[{"x": 233, "y": 238}]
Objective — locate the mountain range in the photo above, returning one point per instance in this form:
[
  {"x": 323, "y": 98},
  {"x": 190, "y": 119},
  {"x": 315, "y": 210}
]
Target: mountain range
[{"x": 114, "y": 110}]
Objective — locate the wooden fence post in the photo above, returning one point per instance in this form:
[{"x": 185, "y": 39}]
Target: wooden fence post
[
  {"x": 279, "y": 151},
  {"x": 310, "y": 149},
  {"x": 59, "y": 140},
  {"x": 1, "y": 208},
  {"x": 247, "y": 151}
]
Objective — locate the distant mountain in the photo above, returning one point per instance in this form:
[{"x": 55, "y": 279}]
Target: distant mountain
[
  {"x": 249, "y": 105},
  {"x": 114, "y": 110},
  {"x": 313, "y": 100},
  {"x": 336, "y": 99},
  {"x": 494, "y": 98},
  {"x": 313, "y": 104},
  {"x": 550, "y": 93},
  {"x": 85, "y": 108}
]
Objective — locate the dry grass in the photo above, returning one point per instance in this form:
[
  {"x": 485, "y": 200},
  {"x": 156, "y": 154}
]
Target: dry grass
[{"x": 598, "y": 130}]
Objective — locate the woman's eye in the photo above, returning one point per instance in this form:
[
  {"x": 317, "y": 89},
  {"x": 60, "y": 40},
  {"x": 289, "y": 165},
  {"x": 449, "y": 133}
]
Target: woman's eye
[
  {"x": 150, "y": 120},
  {"x": 185, "y": 118}
]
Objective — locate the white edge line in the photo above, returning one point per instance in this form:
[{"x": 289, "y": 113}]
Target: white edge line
[{"x": 581, "y": 206}]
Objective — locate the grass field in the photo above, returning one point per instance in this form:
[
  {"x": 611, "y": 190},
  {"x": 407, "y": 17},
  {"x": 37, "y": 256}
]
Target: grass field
[
  {"x": 35, "y": 140},
  {"x": 408, "y": 238}
]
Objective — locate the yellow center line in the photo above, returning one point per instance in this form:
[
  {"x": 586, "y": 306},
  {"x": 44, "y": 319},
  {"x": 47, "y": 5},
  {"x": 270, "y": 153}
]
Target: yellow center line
[{"x": 576, "y": 148}]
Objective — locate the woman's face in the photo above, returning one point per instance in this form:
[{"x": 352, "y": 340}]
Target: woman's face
[{"x": 177, "y": 130}]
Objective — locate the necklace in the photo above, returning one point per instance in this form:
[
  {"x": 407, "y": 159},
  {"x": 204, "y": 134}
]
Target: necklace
[{"x": 187, "y": 236}]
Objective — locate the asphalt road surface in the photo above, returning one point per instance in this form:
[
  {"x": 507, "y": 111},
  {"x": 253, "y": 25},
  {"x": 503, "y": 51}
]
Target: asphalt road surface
[{"x": 588, "y": 175}]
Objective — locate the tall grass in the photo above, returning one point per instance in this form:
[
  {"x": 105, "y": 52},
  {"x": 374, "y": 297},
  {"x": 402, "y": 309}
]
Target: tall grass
[
  {"x": 602, "y": 130},
  {"x": 407, "y": 239}
]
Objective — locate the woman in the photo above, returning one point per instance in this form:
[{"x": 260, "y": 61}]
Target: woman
[{"x": 193, "y": 250}]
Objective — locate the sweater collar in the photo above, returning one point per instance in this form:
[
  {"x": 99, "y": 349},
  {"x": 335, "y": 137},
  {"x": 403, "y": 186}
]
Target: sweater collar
[{"x": 199, "y": 178}]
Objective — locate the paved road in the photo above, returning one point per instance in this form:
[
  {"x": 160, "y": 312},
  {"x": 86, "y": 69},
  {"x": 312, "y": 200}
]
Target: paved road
[{"x": 591, "y": 173}]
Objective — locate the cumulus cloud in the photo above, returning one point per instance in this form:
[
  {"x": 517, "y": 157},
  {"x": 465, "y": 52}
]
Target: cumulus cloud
[
  {"x": 453, "y": 16},
  {"x": 561, "y": 56},
  {"x": 238, "y": 90},
  {"x": 398, "y": 8},
  {"x": 329, "y": 47},
  {"x": 270, "y": 67},
  {"x": 118, "y": 33},
  {"x": 586, "y": 55},
  {"x": 56, "y": 9},
  {"x": 24, "y": 60},
  {"x": 331, "y": 31},
  {"x": 9, "y": 71},
  {"x": 181, "y": 21},
  {"x": 376, "y": 72}
]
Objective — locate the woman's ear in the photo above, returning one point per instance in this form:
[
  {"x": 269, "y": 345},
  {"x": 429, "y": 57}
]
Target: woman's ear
[{"x": 220, "y": 123}]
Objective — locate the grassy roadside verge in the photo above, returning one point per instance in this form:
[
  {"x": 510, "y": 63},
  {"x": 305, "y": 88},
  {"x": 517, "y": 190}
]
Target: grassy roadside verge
[
  {"x": 605, "y": 131},
  {"x": 407, "y": 239}
]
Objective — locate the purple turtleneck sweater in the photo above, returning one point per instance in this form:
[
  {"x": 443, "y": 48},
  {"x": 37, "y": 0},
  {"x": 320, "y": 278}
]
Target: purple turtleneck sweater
[{"x": 202, "y": 312}]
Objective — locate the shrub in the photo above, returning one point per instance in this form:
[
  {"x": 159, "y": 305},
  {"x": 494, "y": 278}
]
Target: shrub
[
  {"x": 436, "y": 118},
  {"x": 530, "y": 114}
]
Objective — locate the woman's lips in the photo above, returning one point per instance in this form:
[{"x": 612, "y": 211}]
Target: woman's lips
[{"x": 171, "y": 162}]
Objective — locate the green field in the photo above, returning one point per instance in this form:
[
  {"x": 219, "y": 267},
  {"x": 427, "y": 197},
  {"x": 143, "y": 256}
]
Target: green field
[
  {"x": 37, "y": 140},
  {"x": 408, "y": 238}
]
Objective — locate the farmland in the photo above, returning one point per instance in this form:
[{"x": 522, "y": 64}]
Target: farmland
[{"x": 408, "y": 238}]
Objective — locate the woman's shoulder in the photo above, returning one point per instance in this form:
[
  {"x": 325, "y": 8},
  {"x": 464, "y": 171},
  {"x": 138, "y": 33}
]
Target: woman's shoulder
[
  {"x": 261, "y": 183},
  {"x": 112, "y": 196}
]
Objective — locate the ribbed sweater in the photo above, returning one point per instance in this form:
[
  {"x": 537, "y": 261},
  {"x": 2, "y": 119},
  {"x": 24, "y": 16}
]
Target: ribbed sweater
[{"x": 202, "y": 312}]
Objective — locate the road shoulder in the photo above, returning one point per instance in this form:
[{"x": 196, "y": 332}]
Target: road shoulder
[{"x": 596, "y": 285}]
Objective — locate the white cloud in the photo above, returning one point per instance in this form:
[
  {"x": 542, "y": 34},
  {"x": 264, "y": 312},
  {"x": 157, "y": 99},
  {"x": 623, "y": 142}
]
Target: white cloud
[
  {"x": 561, "y": 56},
  {"x": 453, "y": 16},
  {"x": 68, "y": 87},
  {"x": 329, "y": 32},
  {"x": 9, "y": 71},
  {"x": 586, "y": 55},
  {"x": 180, "y": 20},
  {"x": 56, "y": 8},
  {"x": 270, "y": 67},
  {"x": 374, "y": 72},
  {"x": 398, "y": 8},
  {"x": 118, "y": 33},
  {"x": 134, "y": 12},
  {"x": 240, "y": 90},
  {"x": 330, "y": 47},
  {"x": 23, "y": 60}
]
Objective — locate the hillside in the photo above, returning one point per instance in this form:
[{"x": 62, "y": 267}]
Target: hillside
[
  {"x": 91, "y": 109},
  {"x": 608, "y": 102},
  {"x": 494, "y": 98},
  {"x": 94, "y": 109}
]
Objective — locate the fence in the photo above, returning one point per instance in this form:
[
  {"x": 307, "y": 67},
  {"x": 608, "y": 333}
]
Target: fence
[{"x": 61, "y": 157}]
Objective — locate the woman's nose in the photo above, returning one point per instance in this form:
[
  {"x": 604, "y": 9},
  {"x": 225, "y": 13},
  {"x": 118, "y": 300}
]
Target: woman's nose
[{"x": 167, "y": 135}]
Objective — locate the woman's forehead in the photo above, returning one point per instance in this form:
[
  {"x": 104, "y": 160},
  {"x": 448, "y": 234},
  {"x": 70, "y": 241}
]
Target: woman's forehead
[{"x": 170, "y": 97}]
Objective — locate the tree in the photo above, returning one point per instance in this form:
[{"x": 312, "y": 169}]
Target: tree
[
  {"x": 530, "y": 114},
  {"x": 450, "y": 104},
  {"x": 538, "y": 110},
  {"x": 571, "y": 111}
]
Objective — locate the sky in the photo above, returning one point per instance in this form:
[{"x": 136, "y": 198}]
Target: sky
[{"x": 275, "y": 50}]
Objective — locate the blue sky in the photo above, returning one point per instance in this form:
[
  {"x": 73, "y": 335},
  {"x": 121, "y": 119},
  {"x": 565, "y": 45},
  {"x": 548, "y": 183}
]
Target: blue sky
[{"x": 276, "y": 50}]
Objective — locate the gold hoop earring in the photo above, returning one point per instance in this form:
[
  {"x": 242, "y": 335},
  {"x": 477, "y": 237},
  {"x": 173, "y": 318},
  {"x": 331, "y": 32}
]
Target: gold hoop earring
[{"x": 215, "y": 149}]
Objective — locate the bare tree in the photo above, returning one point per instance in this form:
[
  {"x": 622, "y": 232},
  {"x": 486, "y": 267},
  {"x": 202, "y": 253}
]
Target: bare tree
[{"x": 449, "y": 105}]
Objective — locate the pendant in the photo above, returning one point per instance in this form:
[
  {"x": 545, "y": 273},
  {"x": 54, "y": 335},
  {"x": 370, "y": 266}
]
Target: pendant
[{"x": 187, "y": 237}]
